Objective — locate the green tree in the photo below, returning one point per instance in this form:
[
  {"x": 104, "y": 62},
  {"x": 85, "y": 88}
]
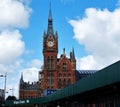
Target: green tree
[{"x": 11, "y": 98}]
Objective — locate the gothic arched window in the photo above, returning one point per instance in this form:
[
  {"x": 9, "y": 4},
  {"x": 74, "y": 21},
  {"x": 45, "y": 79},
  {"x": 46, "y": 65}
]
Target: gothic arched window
[
  {"x": 59, "y": 83},
  {"x": 69, "y": 75},
  {"x": 64, "y": 82},
  {"x": 60, "y": 75},
  {"x": 50, "y": 62},
  {"x": 64, "y": 66},
  {"x": 69, "y": 81}
]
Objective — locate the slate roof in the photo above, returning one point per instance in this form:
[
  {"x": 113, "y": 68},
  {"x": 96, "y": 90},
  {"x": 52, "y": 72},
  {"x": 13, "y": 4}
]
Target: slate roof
[
  {"x": 84, "y": 73},
  {"x": 87, "y": 71}
]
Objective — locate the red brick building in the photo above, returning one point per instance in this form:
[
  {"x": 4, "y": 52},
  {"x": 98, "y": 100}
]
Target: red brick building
[
  {"x": 28, "y": 90},
  {"x": 57, "y": 72}
]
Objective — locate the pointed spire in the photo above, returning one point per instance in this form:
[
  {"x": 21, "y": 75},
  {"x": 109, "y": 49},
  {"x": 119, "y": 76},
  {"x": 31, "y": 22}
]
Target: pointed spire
[
  {"x": 22, "y": 75},
  {"x": 50, "y": 12},
  {"x": 73, "y": 53},
  {"x": 44, "y": 34},
  {"x": 56, "y": 34},
  {"x": 21, "y": 79},
  {"x": 63, "y": 51},
  {"x": 50, "y": 25}
]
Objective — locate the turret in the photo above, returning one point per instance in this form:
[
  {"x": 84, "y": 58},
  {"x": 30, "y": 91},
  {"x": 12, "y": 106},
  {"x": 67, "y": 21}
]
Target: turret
[
  {"x": 21, "y": 79},
  {"x": 21, "y": 85},
  {"x": 72, "y": 55}
]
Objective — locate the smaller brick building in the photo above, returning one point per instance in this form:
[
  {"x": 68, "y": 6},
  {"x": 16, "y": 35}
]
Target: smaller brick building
[{"x": 28, "y": 90}]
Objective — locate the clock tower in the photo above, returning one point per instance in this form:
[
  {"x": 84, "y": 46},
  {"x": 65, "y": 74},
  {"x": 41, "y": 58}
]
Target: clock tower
[
  {"x": 56, "y": 73},
  {"x": 50, "y": 50}
]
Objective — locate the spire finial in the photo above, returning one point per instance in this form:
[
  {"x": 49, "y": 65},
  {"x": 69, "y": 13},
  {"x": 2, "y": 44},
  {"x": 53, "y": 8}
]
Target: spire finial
[
  {"x": 21, "y": 79},
  {"x": 64, "y": 51},
  {"x": 50, "y": 12},
  {"x": 50, "y": 25},
  {"x": 22, "y": 75},
  {"x": 73, "y": 53}
]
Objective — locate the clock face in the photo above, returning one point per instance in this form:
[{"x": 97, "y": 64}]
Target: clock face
[{"x": 50, "y": 43}]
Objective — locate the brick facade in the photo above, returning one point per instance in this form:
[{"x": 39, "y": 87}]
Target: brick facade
[
  {"x": 28, "y": 90},
  {"x": 57, "y": 72}
]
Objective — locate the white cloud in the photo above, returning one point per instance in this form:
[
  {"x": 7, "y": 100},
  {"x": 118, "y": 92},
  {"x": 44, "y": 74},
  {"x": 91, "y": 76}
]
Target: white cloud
[
  {"x": 30, "y": 74},
  {"x": 11, "y": 46},
  {"x": 12, "y": 90},
  {"x": 99, "y": 32},
  {"x": 12, "y": 76},
  {"x": 13, "y": 13},
  {"x": 14, "y": 70},
  {"x": 88, "y": 62},
  {"x": 35, "y": 63}
]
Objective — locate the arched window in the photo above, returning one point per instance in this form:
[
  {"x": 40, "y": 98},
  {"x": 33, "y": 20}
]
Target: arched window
[
  {"x": 64, "y": 75},
  {"x": 64, "y": 66},
  {"x": 48, "y": 74},
  {"x": 52, "y": 81},
  {"x": 69, "y": 81},
  {"x": 48, "y": 82},
  {"x": 50, "y": 62},
  {"x": 52, "y": 74},
  {"x": 69, "y": 75},
  {"x": 60, "y": 75},
  {"x": 64, "y": 82},
  {"x": 59, "y": 83}
]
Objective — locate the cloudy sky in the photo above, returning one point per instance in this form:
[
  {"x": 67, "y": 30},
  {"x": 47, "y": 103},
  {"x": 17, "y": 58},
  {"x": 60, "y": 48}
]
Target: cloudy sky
[{"x": 92, "y": 27}]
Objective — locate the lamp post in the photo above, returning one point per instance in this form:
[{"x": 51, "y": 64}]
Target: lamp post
[{"x": 4, "y": 84}]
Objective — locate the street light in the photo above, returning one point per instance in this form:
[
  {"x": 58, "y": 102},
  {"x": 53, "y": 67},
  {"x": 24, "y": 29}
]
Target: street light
[{"x": 4, "y": 84}]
